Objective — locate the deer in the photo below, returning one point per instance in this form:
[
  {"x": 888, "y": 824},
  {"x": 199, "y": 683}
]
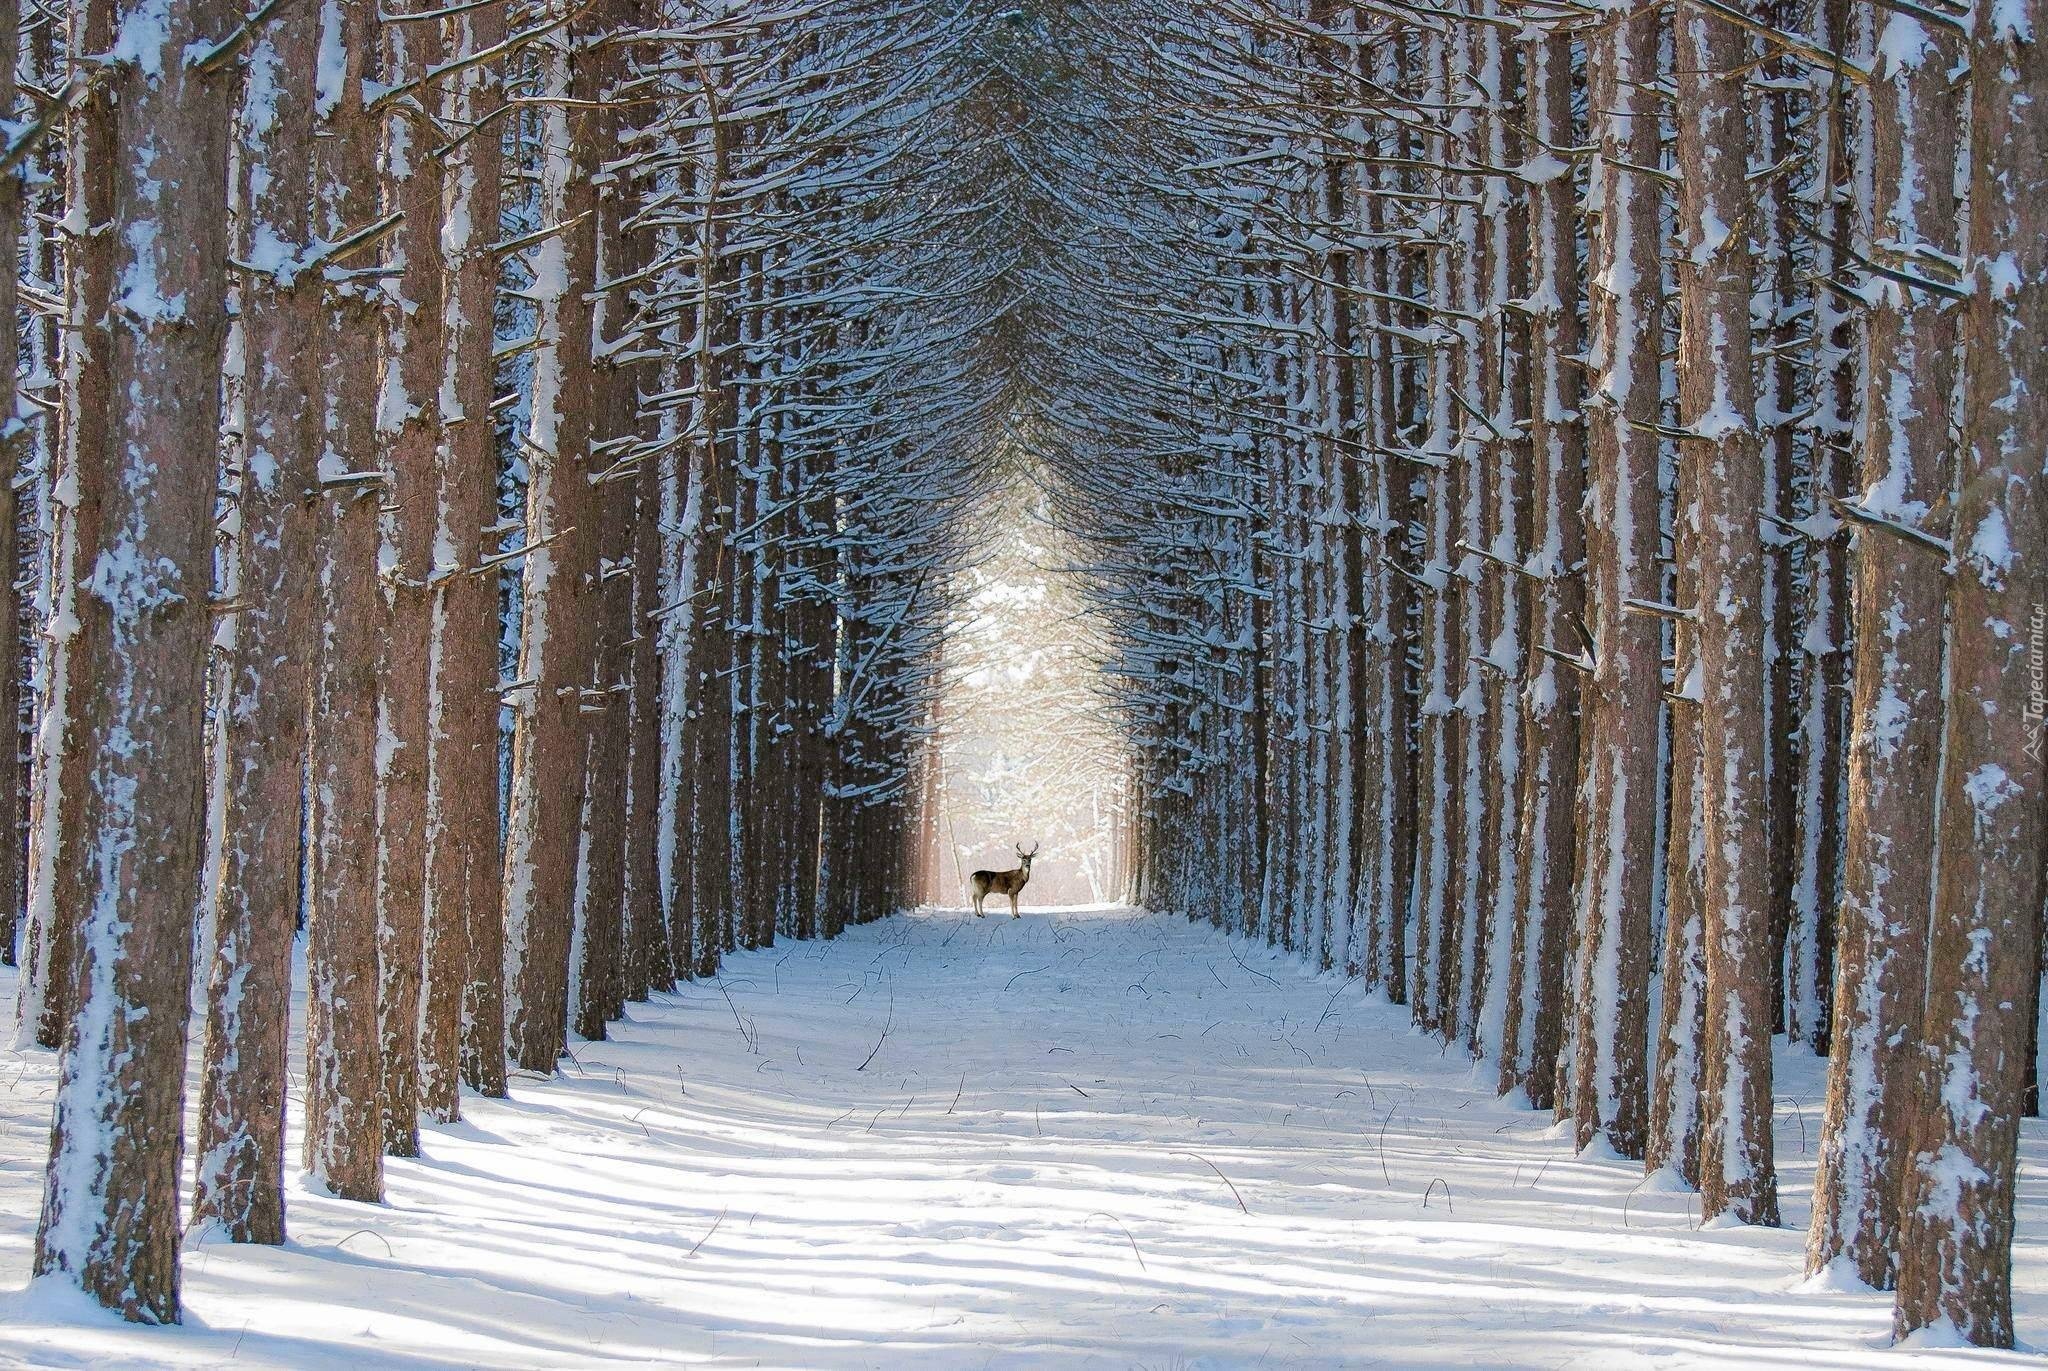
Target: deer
[{"x": 986, "y": 883}]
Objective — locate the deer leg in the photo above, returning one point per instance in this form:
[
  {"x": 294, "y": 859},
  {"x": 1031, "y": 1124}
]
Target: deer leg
[{"x": 1013, "y": 906}]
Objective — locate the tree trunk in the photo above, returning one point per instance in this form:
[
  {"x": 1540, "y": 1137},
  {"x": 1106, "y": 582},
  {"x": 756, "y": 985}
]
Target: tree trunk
[
  {"x": 1550, "y": 709},
  {"x": 1717, "y": 412},
  {"x": 1674, "y": 1138},
  {"x": 1984, "y": 949},
  {"x": 465, "y": 950},
  {"x": 344, "y": 1124},
  {"x": 409, "y": 438},
  {"x": 1618, "y": 820},
  {"x": 1505, "y": 447},
  {"x": 1435, "y": 781},
  {"x": 42, "y": 203},
  {"x": 544, "y": 835},
  {"x": 138, "y": 648},
  {"x": 600, "y": 887},
  {"x": 56, "y": 838},
  {"x": 240, "y": 1178},
  {"x": 1894, "y": 745},
  {"x": 13, "y": 442},
  {"x": 650, "y": 959}
]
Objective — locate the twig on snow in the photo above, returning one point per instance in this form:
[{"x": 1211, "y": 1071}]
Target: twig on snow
[
  {"x": 886, "y": 1024},
  {"x": 707, "y": 1233},
  {"x": 366, "y": 1233},
  {"x": 745, "y": 1032},
  {"x": 1028, "y": 971},
  {"x": 1101, "y": 1213},
  {"x": 1219, "y": 1176}
]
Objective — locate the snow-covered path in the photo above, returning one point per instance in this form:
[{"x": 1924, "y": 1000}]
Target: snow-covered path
[{"x": 1082, "y": 1139}]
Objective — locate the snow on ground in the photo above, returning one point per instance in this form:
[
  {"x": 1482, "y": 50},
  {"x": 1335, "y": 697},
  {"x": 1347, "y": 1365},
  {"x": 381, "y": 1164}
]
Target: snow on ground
[{"x": 1089, "y": 1138}]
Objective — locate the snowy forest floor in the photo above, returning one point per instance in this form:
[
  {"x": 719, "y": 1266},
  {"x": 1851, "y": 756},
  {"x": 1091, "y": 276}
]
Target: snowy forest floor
[{"x": 1089, "y": 1138}]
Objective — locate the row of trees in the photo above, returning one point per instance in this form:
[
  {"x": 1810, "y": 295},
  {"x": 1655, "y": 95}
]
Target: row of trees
[
  {"x": 1556, "y": 485},
  {"x": 480, "y": 466},
  {"x": 1571, "y": 513}
]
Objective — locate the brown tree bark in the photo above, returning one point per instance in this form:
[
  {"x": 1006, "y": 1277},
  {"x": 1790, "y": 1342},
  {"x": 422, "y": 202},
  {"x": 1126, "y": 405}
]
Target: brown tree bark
[
  {"x": 139, "y": 588},
  {"x": 1895, "y": 740},
  {"x": 544, "y": 834},
  {"x": 465, "y": 950},
  {"x": 344, "y": 1123},
  {"x": 1436, "y": 778},
  {"x": 41, "y": 260},
  {"x": 1617, "y": 824},
  {"x": 13, "y": 442},
  {"x": 1505, "y": 448},
  {"x": 240, "y": 1178},
  {"x": 1674, "y": 1137},
  {"x": 1550, "y": 710},
  {"x": 409, "y": 439},
  {"x": 1717, "y": 412},
  {"x": 651, "y": 958},
  {"x": 600, "y": 915},
  {"x": 56, "y": 839},
  {"x": 711, "y": 761},
  {"x": 1984, "y": 946}
]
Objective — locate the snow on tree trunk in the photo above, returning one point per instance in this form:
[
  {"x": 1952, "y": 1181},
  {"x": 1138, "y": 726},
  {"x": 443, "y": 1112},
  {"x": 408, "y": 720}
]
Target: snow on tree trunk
[
  {"x": 681, "y": 510},
  {"x": 1380, "y": 745},
  {"x": 1436, "y": 819},
  {"x": 1556, "y": 552},
  {"x": 1674, "y": 1137},
  {"x": 1984, "y": 949},
  {"x": 409, "y": 438},
  {"x": 1717, "y": 412},
  {"x": 1472, "y": 479},
  {"x": 545, "y": 835},
  {"x": 465, "y": 940},
  {"x": 136, "y": 599},
  {"x": 344, "y": 1123},
  {"x": 1895, "y": 739},
  {"x": 240, "y": 1173},
  {"x": 56, "y": 840},
  {"x": 14, "y": 435},
  {"x": 600, "y": 890},
  {"x": 36, "y": 399},
  {"x": 1617, "y": 823},
  {"x": 1505, "y": 448},
  {"x": 1813, "y": 729}
]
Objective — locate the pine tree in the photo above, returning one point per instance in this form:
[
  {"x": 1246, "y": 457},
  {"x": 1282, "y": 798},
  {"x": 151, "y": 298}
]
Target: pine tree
[
  {"x": 1717, "y": 412},
  {"x": 1620, "y": 698},
  {"x": 409, "y": 439},
  {"x": 137, "y": 595},
  {"x": 544, "y": 837},
  {"x": 344, "y": 1120},
  {"x": 1895, "y": 741},
  {"x": 465, "y": 947},
  {"x": 240, "y": 1176},
  {"x": 1984, "y": 950}
]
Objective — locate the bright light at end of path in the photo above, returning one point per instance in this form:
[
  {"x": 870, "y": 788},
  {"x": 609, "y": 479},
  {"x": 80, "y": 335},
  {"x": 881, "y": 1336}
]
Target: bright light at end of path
[{"x": 1026, "y": 748}]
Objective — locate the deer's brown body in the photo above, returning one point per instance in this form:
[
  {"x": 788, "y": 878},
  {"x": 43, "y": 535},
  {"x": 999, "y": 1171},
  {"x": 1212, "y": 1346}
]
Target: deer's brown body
[{"x": 987, "y": 883}]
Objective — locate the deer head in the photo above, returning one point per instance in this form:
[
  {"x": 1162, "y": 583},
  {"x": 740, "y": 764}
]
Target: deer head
[{"x": 1025, "y": 857}]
